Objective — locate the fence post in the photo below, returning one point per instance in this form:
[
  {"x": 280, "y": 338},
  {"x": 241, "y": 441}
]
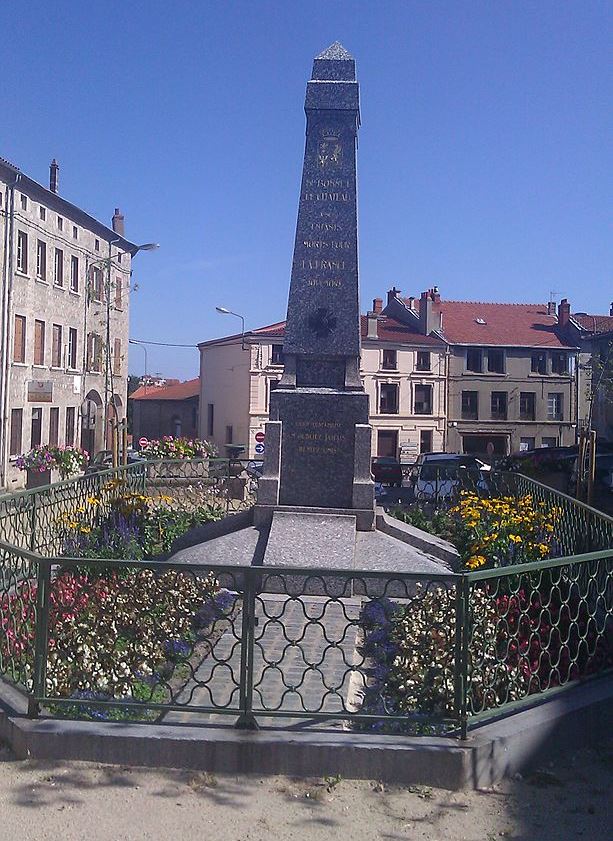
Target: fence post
[
  {"x": 246, "y": 719},
  {"x": 41, "y": 637},
  {"x": 462, "y": 617},
  {"x": 33, "y": 522}
]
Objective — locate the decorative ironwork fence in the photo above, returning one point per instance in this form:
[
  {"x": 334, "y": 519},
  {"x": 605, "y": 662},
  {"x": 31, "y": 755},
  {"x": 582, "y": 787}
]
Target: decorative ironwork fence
[
  {"x": 36, "y": 519},
  {"x": 379, "y": 651}
]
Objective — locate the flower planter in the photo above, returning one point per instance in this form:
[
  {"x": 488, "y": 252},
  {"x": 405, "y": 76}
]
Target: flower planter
[{"x": 38, "y": 479}]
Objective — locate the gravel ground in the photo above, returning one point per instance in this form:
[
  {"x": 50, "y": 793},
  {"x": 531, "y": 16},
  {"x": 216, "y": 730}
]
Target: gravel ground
[{"x": 61, "y": 800}]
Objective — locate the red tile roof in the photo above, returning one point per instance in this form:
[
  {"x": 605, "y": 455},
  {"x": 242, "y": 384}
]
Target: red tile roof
[
  {"x": 391, "y": 330},
  {"x": 509, "y": 325},
  {"x": 594, "y": 323},
  {"x": 388, "y": 330},
  {"x": 175, "y": 391}
]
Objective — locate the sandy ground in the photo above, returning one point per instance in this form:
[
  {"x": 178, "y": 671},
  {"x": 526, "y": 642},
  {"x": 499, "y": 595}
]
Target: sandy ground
[{"x": 567, "y": 800}]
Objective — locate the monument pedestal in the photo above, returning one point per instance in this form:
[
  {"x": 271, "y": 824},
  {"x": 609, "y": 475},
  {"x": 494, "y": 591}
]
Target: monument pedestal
[{"x": 318, "y": 454}]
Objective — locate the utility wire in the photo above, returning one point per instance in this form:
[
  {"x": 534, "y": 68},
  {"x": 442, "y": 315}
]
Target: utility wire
[{"x": 162, "y": 344}]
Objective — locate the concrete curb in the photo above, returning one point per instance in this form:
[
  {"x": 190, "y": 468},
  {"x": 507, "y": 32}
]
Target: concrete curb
[{"x": 580, "y": 716}]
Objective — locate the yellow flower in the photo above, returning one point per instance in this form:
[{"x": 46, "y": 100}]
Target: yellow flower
[
  {"x": 475, "y": 561},
  {"x": 515, "y": 538}
]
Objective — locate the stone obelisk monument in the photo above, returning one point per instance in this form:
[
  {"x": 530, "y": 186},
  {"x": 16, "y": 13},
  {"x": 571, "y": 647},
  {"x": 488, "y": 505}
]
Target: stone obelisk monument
[{"x": 318, "y": 438}]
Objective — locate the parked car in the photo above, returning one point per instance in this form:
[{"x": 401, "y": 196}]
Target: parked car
[
  {"x": 439, "y": 476},
  {"x": 386, "y": 470},
  {"x": 103, "y": 460}
]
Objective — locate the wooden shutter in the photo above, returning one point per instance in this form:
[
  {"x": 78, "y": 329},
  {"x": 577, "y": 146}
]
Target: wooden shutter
[
  {"x": 39, "y": 342},
  {"x": 16, "y": 427},
  {"x": 54, "y": 426},
  {"x": 19, "y": 351},
  {"x": 56, "y": 353},
  {"x": 117, "y": 356}
]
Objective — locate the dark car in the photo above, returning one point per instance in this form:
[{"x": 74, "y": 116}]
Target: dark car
[
  {"x": 103, "y": 460},
  {"x": 387, "y": 470}
]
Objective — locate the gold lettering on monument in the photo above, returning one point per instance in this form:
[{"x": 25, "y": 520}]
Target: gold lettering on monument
[
  {"x": 324, "y": 283},
  {"x": 323, "y": 265},
  {"x": 336, "y": 244},
  {"x": 319, "y": 437},
  {"x": 325, "y": 227},
  {"x": 327, "y": 196}
]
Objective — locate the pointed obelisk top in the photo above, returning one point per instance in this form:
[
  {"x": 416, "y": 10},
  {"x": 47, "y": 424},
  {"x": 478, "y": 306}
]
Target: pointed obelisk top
[
  {"x": 335, "y": 52},
  {"x": 334, "y": 65}
]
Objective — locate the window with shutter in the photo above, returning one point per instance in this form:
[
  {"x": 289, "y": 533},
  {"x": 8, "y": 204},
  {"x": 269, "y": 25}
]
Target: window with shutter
[
  {"x": 59, "y": 267},
  {"x": 56, "y": 350},
  {"x": 70, "y": 425},
  {"x": 117, "y": 357},
  {"x": 39, "y": 342},
  {"x": 16, "y": 431},
  {"x": 19, "y": 349},
  {"x": 22, "y": 252},
  {"x": 72, "y": 348},
  {"x": 54, "y": 426}
]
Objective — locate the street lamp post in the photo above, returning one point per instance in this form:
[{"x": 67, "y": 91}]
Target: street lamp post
[
  {"x": 144, "y": 347},
  {"x": 225, "y": 311}
]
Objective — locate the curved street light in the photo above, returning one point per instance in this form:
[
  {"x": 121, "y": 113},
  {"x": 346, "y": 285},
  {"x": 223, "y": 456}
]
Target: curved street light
[{"x": 226, "y": 311}]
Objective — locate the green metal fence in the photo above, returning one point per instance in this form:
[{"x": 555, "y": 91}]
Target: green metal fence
[
  {"x": 407, "y": 653},
  {"x": 36, "y": 519}
]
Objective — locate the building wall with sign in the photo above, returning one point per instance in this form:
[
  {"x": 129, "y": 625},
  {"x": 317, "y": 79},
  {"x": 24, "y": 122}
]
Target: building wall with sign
[{"x": 66, "y": 281}]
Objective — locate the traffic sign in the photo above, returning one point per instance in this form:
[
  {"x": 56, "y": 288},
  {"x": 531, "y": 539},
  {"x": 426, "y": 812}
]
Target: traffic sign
[
  {"x": 259, "y": 437},
  {"x": 259, "y": 448},
  {"x": 142, "y": 442}
]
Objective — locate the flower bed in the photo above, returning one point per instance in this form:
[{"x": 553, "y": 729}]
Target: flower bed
[
  {"x": 120, "y": 636},
  {"x": 123, "y": 524},
  {"x": 521, "y": 642},
  {"x": 492, "y": 531},
  {"x": 177, "y": 448},
  {"x": 115, "y": 633}
]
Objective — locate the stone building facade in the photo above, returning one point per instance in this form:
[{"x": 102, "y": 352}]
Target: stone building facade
[
  {"x": 594, "y": 334},
  {"x": 64, "y": 324},
  {"x": 511, "y": 372},
  {"x": 171, "y": 409},
  {"x": 453, "y": 376}
]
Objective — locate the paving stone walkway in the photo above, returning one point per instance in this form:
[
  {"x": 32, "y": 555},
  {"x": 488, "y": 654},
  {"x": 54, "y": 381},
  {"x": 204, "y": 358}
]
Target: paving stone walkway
[{"x": 304, "y": 661}]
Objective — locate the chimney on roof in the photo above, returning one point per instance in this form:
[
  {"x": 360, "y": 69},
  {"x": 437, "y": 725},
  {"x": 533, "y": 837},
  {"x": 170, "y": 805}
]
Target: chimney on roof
[
  {"x": 435, "y": 295},
  {"x": 117, "y": 222},
  {"x": 563, "y": 312},
  {"x": 377, "y": 305},
  {"x": 611, "y": 309},
  {"x": 551, "y": 308},
  {"x": 54, "y": 176},
  {"x": 371, "y": 325},
  {"x": 392, "y": 295},
  {"x": 410, "y": 302},
  {"x": 426, "y": 319}
]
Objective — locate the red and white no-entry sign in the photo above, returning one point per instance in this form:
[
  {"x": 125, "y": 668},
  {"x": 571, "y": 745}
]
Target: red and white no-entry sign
[
  {"x": 259, "y": 437},
  {"x": 142, "y": 442}
]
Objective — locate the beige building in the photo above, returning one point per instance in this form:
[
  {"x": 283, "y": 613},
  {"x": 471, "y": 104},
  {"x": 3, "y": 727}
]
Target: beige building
[
  {"x": 64, "y": 325},
  {"x": 454, "y": 376},
  {"x": 511, "y": 377},
  {"x": 403, "y": 373}
]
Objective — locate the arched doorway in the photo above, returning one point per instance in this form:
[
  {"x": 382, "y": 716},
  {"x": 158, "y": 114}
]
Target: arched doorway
[
  {"x": 91, "y": 422},
  {"x": 177, "y": 426}
]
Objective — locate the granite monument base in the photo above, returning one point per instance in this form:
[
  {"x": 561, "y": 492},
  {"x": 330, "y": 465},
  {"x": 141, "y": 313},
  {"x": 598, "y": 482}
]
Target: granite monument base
[{"x": 318, "y": 446}]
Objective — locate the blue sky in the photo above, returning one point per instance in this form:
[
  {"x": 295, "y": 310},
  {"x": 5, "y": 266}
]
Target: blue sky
[{"x": 484, "y": 153}]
